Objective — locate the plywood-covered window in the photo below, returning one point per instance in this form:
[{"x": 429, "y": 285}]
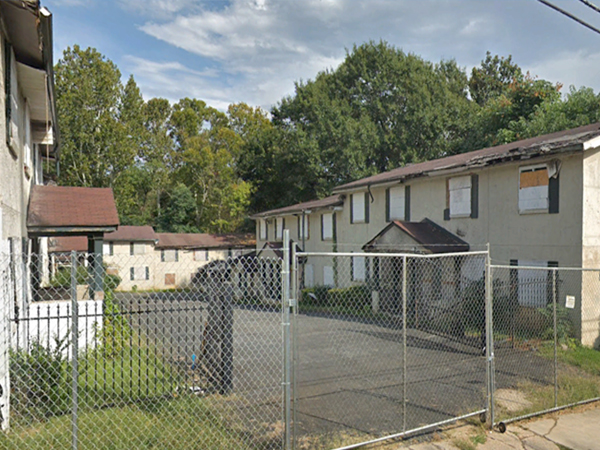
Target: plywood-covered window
[
  {"x": 327, "y": 226},
  {"x": 137, "y": 248},
  {"x": 169, "y": 279},
  {"x": 459, "y": 196},
  {"x": 201, "y": 255},
  {"x": 359, "y": 208},
  {"x": 533, "y": 188},
  {"x": 139, "y": 273}
]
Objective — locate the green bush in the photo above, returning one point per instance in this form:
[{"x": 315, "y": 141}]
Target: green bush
[
  {"x": 40, "y": 381},
  {"x": 564, "y": 325},
  {"x": 354, "y": 297},
  {"x": 318, "y": 297},
  {"x": 115, "y": 333},
  {"x": 62, "y": 278}
]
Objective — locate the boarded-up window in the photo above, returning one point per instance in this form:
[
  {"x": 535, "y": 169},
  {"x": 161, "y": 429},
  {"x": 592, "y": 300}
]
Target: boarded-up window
[
  {"x": 328, "y": 276},
  {"x": 309, "y": 276},
  {"x": 397, "y": 206},
  {"x": 169, "y": 279},
  {"x": 279, "y": 224},
  {"x": 327, "y": 226},
  {"x": 358, "y": 208},
  {"x": 533, "y": 188},
  {"x": 169, "y": 255},
  {"x": 303, "y": 229},
  {"x": 533, "y": 284},
  {"x": 358, "y": 268},
  {"x": 262, "y": 225},
  {"x": 200, "y": 255},
  {"x": 459, "y": 196}
]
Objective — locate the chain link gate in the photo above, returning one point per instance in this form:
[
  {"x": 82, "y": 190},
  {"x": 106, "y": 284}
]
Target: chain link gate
[{"x": 386, "y": 345}]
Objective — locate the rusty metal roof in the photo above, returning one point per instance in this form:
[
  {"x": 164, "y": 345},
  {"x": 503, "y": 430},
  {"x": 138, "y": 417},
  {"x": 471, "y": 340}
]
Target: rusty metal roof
[
  {"x": 328, "y": 202},
  {"x": 432, "y": 237},
  {"x": 204, "y": 240},
  {"x": 562, "y": 141},
  {"x": 132, "y": 233},
  {"x": 73, "y": 210}
]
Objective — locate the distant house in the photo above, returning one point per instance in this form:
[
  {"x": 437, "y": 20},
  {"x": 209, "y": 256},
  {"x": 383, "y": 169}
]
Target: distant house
[{"x": 536, "y": 202}]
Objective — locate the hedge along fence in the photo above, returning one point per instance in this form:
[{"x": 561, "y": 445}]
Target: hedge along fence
[{"x": 351, "y": 299}]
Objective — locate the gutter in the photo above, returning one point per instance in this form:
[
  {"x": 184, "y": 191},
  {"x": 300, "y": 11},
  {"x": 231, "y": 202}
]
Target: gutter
[{"x": 45, "y": 17}]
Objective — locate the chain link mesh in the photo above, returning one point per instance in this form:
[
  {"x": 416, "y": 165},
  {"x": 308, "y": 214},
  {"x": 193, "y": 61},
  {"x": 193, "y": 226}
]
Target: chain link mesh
[
  {"x": 172, "y": 353},
  {"x": 387, "y": 344},
  {"x": 546, "y": 321}
]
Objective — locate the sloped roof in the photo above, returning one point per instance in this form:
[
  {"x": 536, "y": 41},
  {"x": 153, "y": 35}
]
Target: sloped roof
[
  {"x": 328, "y": 202},
  {"x": 132, "y": 233},
  {"x": 204, "y": 240},
  {"x": 431, "y": 236},
  {"x": 63, "y": 244},
  {"x": 57, "y": 209},
  {"x": 562, "y": 141}
]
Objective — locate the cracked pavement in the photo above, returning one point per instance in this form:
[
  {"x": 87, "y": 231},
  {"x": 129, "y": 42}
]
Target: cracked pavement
[{"x": 574, "y": 431}]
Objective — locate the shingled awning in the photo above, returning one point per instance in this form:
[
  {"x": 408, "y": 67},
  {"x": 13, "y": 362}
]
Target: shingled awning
[
  {"x": 71, "y": 211},
  {"x": 416, "y": 237}
]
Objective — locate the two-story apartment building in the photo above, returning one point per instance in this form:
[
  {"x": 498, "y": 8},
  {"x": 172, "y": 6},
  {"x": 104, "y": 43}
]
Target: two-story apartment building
[
  {"x": 146, "y": 260},
  {"x": 536, "y": 202}
]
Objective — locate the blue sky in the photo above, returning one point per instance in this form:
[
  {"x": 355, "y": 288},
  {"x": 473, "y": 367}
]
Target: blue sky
[{"x": 252, "y": 51}]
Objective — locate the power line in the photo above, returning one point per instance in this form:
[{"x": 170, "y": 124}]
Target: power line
[
  {"x": 591, "y": 5},
  {"x": 569, "y": 15}
]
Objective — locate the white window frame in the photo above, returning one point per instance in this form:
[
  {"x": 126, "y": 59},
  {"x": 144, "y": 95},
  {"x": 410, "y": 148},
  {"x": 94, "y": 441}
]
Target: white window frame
[
  {"x": 459, "y": 196},
  {"x": 140, "y": 273},
  {"x": 170, "y": 255},
  {"x": 139, "y": 248},
  {"x": 542, "y": 208},
  {"x": 397, "y": 206},
  {"x": 327, "y": 226},
  {"x": 359, "y": 215}
]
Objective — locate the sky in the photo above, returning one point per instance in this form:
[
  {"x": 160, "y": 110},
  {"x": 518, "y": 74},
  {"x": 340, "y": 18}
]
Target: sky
[{"x": 253, "y": 51}]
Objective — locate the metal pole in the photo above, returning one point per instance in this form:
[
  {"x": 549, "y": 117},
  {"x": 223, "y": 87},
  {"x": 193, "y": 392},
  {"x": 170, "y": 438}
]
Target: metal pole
[
  {"x": 285, "y": 276},
  {"x": 555, "y": 338},
  {"x": 75, "y": 348},
  {"x": 404, "y": 343},
  {"x": 489, "y": 332},
  {"x": 294, "y": 332}
]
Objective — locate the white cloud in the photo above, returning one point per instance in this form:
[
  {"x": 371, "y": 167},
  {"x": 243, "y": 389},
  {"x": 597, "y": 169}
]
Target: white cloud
[{"x": 581, "y": 68}]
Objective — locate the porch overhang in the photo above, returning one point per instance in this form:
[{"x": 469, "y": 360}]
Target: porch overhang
[{"x": 425, "y": 237}]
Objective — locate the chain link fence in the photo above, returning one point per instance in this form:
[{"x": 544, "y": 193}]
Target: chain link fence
[
  {"x": 165, "y": 353},
  {"x": 176, "y": 349},
  {"x": 546, "y": 321}
]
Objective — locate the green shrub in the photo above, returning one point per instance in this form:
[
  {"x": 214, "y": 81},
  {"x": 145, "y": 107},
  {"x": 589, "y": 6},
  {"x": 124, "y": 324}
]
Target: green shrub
[
  {"x": 354, "y": 297},
  {"x": 564, "y": 325},
  {"x": 40, "y": 381},
  {"x": 62, "y": 278},
  {"x": 318, "y": 297},
  {"x": 116, "y": 331}
]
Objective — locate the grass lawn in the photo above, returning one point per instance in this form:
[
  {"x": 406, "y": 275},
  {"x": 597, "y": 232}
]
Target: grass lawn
[{"x": 184, "y": 423}]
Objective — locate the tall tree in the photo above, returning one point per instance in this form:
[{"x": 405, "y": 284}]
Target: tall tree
[{"x": 96, "y": 146}]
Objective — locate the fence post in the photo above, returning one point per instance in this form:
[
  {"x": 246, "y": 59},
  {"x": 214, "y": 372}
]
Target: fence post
[
  {"x": 555, "y": 338},
  {"x": 489, "y": 342},
  {"x": 404, "y": 365},
  {"x": 75, "y": 348},
  {"x": 285, "y": 297},
  {"x": 293, "y": 336}
]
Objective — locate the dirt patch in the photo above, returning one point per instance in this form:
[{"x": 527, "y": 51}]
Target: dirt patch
[{"x": 511, "y": 400}]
